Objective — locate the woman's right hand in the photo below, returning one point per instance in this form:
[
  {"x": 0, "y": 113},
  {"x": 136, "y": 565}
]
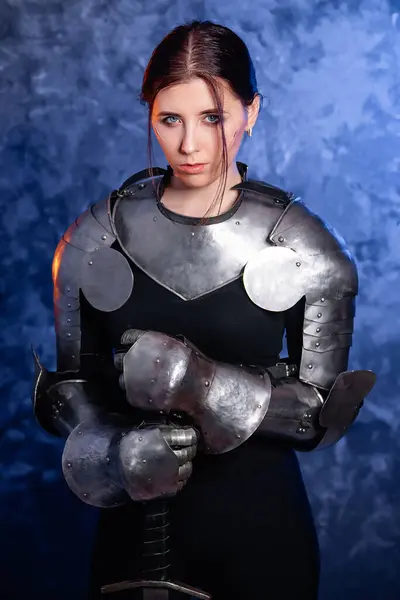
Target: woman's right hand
[
  {"x": 105, "y": 461},
  {"x": 156, "y": 461}
]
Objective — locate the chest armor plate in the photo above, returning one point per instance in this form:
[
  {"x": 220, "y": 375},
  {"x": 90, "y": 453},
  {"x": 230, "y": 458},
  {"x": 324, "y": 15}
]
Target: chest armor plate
[{"x": 192, "y": 261}]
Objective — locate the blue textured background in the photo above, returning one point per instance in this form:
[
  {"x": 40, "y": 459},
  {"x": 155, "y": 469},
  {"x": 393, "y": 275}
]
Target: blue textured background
[{"x": 71, "y": 129}]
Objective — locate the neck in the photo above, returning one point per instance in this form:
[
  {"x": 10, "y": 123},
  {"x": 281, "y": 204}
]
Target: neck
[{"x": 196, "y": 202}]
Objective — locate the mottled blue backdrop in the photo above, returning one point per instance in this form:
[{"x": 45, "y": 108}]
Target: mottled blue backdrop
[{"x": 71, "y": 128}]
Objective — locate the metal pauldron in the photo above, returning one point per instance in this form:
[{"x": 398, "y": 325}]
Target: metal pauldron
[
  {"x": 85, "y": 262},
  {"x": 308, "y": 259},
  {"x": 227, "y": 403}
]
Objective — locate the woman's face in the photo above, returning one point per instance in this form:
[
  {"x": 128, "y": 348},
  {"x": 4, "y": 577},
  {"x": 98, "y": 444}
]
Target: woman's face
[{"x": 185, "y": 122}]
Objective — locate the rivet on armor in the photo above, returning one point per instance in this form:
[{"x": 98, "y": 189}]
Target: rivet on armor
[
  {"x": 310, "y": 366},
  {"x": 141, "y": 186},
  {"x": 154, "y": 218},
  {"x": 165, "y": 344},
  {"x": 68, "y": 289},
  {"x": 192, "y": 233},
  {"x": 152, "y": 381},
  {"x": 72, "y": 355},
  {"x": 123, "y": 434},
  {"x": 69, "y": 465},
  {"x": 322, "y": 299},
  {"x": 68, "y": 320},
  {"x": 85, "y": 495},
  {"x": 69, "y": 306},
  {"x": 259, "y": 406},
  {"x": 281, "y": 239},
  {"x": 318, "y": 329},
  {"x": 108, "y": 460},
  {"x": 301, "y": 430},
  {"x": 104, "y": 237},
  {"x": 68, "y": 334},
  {"x": 60, "y": 403},
  {"x": 207, "y": 383},
  {"x": 79, "y": 432},
  {"x": 317, "y": 344},
  {"x": 319, "y": 315},
  {"x": 238, "y": 436},
  {"x": 150, "y": 401},
  {"x": 298, "y": 264},
  {"x": 144, "y": 460},
  {"x": 157, "y": 360},
  {"x": 237, "y": 222},
  {"x": 90, "y": 262},
  {"x": 140, "y": 439}
]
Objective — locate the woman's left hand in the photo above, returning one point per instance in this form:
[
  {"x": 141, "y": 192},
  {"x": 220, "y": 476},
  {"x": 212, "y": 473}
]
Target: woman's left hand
[{"x": 153, "y": 367}]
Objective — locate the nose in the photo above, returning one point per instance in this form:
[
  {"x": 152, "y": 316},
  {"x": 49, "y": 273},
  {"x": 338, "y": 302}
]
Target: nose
[{"x": 189, "y": 141}]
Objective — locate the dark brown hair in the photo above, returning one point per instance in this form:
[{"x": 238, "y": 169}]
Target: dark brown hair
[{"x": 206, "y": 50}]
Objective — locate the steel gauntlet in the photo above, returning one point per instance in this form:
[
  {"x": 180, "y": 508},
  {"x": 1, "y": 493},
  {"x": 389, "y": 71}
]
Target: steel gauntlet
[{"x": 107, "y": 458}]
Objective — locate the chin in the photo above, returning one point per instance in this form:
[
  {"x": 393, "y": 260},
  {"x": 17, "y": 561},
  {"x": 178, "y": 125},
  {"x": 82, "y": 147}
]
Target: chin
[{"x": 195, "y": 181}]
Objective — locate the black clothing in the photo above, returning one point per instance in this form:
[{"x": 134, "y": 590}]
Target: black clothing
[{"x": 242, "y": 527}]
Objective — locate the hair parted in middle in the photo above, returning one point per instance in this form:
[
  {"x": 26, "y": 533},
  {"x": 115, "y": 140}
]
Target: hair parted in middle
[{"x": 206, "y": 50}]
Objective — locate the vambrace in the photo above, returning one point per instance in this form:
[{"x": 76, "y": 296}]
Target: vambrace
[
  {"x": 229, "y": 403},
  {"x": 299, "y": 414},
  {"x": 107, "y": 459}
]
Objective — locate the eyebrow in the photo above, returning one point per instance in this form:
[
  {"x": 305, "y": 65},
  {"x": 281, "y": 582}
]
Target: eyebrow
[{"x": 211, "y": 111}]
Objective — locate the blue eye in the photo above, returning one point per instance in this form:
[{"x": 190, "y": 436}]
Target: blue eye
[
  {"x": 168, "y": 122},
  {"x": 213, "y": 122}
]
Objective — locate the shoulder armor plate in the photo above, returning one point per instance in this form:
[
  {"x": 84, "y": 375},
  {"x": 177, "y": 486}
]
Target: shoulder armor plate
[
  {"x": 84, "y": 261},
  {"x": 307, "y": 258}
]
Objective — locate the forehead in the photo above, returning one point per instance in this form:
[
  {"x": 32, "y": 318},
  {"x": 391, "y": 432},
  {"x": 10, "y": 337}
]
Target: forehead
[{"x": 194, "y": 96}]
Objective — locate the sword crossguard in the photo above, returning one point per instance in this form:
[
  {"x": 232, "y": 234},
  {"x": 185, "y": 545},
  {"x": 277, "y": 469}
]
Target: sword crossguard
[{"x": 155, "y": 586}]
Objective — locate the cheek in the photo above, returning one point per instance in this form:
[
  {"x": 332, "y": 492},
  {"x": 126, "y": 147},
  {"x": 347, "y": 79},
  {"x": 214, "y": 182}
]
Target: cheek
[
  {"x": 236, "y": 140},
  {"x": 168, "y": 148}
]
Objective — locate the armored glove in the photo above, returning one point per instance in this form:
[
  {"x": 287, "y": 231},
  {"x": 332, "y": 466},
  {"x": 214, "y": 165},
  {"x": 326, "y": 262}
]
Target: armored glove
[{"x": 107, "y": 457}]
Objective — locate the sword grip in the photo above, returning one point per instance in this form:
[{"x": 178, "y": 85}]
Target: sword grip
[{"x": 156, "y": 551}]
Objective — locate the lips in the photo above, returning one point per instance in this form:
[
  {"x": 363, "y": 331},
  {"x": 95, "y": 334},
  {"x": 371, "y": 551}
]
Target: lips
[{"x": 192, "y": 168}]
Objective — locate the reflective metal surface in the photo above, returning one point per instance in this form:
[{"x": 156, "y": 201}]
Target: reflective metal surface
[
  {"x": 84, "y": 261},
  {"x": 227, "y": 403},
  {"x": 192, "y": 260},
  {"x": 309, "y": 260}
]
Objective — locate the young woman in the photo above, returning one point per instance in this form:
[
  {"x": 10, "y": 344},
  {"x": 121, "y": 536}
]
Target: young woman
[{"x": 172, "y": 297}]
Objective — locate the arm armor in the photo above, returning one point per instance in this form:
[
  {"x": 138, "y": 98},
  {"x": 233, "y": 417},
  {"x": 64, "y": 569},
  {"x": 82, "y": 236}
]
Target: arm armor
[{"x": 107, "y": 459}]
